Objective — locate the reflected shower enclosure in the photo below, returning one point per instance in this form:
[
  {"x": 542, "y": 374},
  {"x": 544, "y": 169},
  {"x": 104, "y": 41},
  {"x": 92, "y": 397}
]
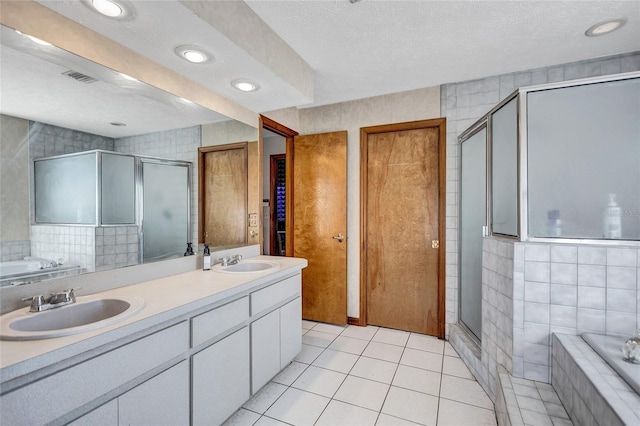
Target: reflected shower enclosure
[{"x": 118, "y": 192}]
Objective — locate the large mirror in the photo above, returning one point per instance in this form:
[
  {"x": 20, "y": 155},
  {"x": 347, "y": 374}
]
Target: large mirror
[{"x": 55, "y": 104}]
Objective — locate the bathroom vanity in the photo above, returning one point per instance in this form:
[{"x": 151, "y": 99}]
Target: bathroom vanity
[{"x": 203, "y": 344}]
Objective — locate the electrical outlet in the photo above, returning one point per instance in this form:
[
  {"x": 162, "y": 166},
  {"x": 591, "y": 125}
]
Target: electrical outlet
[{"x": 253, "y": 219}]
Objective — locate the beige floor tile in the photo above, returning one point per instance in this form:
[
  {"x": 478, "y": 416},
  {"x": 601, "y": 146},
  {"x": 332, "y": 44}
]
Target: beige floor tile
[
  {"x": 418, "y": 379},
  {"x": 308, "y": 325},
  {"x": 425, "y": 343},
  {"x": 383, "y": 351},
  {"x": 266, "y": 396},
  {"x": 421, "y": 359},
  {"x": 290, "y": 374},
  {"x": 449, "y": 351},
  {"x": 268, "y": 421},
  {"x": 339, "y": 413},
  {"x": 318, "y": 338},
  {"x": 363, "y": 393},
  {"x": 242, "y": 417},
  {"x": 464, "y": 390},
  {"x": 335, "y": 360},
  {"x": 348, "y": 344},
  {"x": 364, "y": 333},
  {"x": 454, "y": 366},
  {"x": 452, "y": 413},
  {"x": 411, "y": 405},
  {"x": 319, "y": 381},
  {"x": 329, "y": 328},
  {"x": 387, "y": 420},
  {"x": 298, "y": 407},
  {"x": 391, "y": 337},
  {"x": 308, "y": 354},
  {"x": 374, "y": 369}
]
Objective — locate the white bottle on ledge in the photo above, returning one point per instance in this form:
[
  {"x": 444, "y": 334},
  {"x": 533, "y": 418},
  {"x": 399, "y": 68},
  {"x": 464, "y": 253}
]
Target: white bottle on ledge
[{"x": 611, "y": 220}]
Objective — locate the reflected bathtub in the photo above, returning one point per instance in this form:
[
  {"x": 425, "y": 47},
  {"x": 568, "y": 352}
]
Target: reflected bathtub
[{"x": 17, "y": 272}]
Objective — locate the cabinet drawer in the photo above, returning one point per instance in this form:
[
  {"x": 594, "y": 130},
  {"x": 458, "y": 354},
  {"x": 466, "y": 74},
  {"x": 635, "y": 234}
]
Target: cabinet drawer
[
  {"x": 67, "y": 390},
  {"x": 274, "y": 294},
  {"x": 210, "y": 324}
]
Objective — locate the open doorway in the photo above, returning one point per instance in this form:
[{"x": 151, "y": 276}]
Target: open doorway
[{"x": 274, "y": 180}]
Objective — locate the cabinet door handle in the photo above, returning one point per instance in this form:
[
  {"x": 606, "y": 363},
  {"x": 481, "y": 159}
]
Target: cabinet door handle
[{"x": 339, "y": 237}]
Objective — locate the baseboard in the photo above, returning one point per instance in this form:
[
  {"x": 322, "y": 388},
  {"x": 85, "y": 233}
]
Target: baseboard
[{"x": 355, "y": 321}]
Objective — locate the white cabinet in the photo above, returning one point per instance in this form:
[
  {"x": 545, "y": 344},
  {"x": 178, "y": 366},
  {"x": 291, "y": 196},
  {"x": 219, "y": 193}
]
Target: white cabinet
[
  {"x": 265, "y": 349},
  {"x": 161, "y": 400},
  {"x": 106, "y": 414},
  {"x": 290, "y": 331},
  {"x": 220, "y": 382},
  {"x": 276, "y": 339}
]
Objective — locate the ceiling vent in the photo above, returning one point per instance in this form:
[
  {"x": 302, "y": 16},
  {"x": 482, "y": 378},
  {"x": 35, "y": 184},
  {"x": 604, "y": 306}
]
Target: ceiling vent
[{"x": 78, "y": 76}]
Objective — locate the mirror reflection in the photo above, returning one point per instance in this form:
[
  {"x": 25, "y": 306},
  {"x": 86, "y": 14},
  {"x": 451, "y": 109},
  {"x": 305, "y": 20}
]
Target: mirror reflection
[{"x": 137, "y": 199}]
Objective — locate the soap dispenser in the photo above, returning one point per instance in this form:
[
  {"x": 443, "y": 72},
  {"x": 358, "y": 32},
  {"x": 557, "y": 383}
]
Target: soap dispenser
[
  {"x": 611, "y": 220},
  {"x": 206, "y": 258}
]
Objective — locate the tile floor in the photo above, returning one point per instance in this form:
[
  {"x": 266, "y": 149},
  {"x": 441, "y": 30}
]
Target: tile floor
[{"x": 369, "y": 376}]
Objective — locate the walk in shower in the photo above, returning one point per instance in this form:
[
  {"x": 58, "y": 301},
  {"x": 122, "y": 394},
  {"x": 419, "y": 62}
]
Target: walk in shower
[{"x": 117, "y": 209}]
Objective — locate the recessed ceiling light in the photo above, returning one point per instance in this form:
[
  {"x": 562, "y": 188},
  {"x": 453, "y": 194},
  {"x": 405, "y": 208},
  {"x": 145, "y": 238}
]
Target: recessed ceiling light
[
  {"x": 605, "y": 27},
  {"x": 193, "y": 54},
  {"x": 35, "y": 39},
  {"x": 186, "y": 101},
  {"x": 108, "y": 8},
  {"x": 118, "y": 124},
  {"x": 245, "y": 85}
]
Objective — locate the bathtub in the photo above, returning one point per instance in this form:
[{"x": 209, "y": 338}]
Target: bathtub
[
  {"x": 610, "y": 349},
  {"x": 18, "y": 272}
]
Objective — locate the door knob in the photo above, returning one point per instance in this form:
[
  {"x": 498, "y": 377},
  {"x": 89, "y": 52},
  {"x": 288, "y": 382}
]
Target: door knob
[{"x": 339, "y": 237}]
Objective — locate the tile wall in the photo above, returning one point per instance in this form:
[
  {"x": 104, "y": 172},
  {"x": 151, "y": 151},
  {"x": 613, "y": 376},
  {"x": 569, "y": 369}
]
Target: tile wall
[
  {"x": 75, "y": 245},
  {"x": 116, "y": 246},
  {"x": 565, "y": 291},
  {"x": 14, "y": 250},
  {"x": 463, "y": 103}
]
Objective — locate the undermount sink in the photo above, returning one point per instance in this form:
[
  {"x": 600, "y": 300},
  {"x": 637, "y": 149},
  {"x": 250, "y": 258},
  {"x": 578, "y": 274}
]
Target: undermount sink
[
  {"x": 249, "y": 266},
  {"x": 88, "y": 313}
]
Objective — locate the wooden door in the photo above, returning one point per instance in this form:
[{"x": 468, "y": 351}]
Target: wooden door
[
  {"x": 403, "y": 231},
  {"x": 319, "y": 222},
  {"x": 223, "y": 195}
]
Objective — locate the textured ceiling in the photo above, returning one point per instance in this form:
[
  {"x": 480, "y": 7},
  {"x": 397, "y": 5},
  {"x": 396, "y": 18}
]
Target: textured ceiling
[
  {"x": 377, "y": 47},
  {"x": 367, "y": 48}
]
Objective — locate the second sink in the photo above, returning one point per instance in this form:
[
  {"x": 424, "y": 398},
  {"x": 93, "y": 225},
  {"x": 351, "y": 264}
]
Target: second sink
[{"x": 248, "y": 266}]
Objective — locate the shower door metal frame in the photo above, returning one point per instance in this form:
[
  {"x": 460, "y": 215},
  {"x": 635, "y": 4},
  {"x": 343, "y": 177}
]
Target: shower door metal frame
[{"x": 140, "y": 160}]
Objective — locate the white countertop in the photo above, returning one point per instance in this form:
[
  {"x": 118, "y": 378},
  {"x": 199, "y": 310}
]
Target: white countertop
[{"x": 165, "y": 299}]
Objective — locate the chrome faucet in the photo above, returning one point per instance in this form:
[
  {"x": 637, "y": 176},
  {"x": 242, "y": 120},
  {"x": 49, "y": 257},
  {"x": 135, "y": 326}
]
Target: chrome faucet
[
  {"x": 39, "y": 303},
  {"x": 226, "y": 261}
]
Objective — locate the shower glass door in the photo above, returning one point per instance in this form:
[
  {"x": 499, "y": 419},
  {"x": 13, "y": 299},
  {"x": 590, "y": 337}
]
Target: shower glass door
[
  {"x": 473, "y": 217},
  {"x": 165, "y": 209}
]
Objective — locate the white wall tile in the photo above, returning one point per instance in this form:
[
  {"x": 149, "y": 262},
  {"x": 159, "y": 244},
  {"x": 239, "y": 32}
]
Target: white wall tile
[
  {"x": 537, "y": 252},
  {"x": 564, "y": 294},
  {"x": 592, "y": 297},
  {"x": 591, "y": 320},
  {"x": 535, "y": 333},
  {"x": 563, "y": 316},
  {"x": 621, "y": 277},
  {"x": 621, "y": 300},
  {"x": 621, "y": 323},
  {"x": 536, "y": 312},
  {"x": 592, "y": 275},
  {"x": 536, "y": 354},
  {"x": 536, "y": 292},
  {"x": 564, "y": 273},
  {"x": 537, "y": 271},
  {"x": 564, "y": 254},
  {"x": 622, "y": 256},
  {"x": 592, "y": 255}
]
